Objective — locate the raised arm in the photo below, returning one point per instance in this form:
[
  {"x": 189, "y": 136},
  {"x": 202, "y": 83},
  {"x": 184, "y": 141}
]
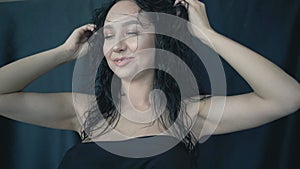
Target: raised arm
[
  {"x": 276, "y": 94},
  {"x": 53, "y": 110}
]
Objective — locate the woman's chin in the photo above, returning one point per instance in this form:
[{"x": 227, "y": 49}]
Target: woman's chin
[{"x": 124, "y": 75}]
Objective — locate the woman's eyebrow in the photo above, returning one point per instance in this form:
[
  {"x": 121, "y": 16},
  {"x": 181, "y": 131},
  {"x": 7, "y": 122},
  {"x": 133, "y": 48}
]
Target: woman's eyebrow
[
  {"x": 131, "y": 22},
  {"x": 107, "y": 27},
  {"x": 127, "y": 23}
]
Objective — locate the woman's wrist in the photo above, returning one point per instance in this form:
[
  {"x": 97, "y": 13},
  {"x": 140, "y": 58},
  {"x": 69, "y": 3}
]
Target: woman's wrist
[
  {"x": 64, "y": 54},
  {"x": 207, "y": 36}
]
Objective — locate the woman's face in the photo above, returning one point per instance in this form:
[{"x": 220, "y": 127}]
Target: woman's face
[{"x": 125, "y": 40}]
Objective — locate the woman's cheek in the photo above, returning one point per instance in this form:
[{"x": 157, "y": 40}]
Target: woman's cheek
[
  {"x": 133, "y": 43},
  {"x": 106, "y": 49}
]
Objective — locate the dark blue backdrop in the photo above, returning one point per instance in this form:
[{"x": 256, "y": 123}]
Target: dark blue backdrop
[{"x": 269, "y": 27}]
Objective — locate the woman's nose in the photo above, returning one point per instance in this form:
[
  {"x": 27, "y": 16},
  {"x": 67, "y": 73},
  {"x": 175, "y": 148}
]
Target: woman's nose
[{"x": 119, "y": 46}]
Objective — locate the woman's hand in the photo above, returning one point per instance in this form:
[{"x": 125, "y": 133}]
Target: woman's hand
[
  {"x": 198, "y": 18},
  {"x": 76, "y": 45}
]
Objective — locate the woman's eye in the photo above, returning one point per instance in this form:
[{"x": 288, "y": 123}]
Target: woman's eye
[
  {"x": 133, "y": 33},
  {"x": 108, "y": 36}
]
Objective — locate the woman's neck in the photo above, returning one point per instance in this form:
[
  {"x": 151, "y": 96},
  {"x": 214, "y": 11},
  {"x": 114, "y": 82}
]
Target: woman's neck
[{"x": 137, "y": 90}]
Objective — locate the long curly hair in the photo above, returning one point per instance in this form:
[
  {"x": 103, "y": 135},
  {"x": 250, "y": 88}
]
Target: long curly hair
[{"x": 176, "y": 112}]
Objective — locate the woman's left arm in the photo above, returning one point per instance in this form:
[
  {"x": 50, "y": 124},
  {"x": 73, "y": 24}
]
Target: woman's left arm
[{"x": 276, "y": 94}]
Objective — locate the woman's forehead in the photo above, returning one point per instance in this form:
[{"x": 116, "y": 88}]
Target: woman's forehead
[{"x": 122, "y": 10}]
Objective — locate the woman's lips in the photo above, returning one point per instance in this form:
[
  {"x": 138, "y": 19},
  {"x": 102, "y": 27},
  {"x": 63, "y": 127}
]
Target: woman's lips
[{"x": 120, "y": 62}]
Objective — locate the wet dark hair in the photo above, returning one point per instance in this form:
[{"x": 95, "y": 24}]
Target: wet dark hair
[{"x": 162, "y": 80}]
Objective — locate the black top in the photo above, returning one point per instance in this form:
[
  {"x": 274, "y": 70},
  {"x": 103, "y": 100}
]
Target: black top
[{"x": 90, "y": 155}]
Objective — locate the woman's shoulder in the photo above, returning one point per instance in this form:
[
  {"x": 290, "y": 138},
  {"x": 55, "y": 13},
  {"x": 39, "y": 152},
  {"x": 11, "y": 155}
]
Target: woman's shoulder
[
  {"x": 82, "y": 103},
  {"x": 195, "y": 104}
]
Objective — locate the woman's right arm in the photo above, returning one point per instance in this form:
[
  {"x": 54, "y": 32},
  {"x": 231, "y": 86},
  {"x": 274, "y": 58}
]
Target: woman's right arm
[{"x": 54, "y": 110}]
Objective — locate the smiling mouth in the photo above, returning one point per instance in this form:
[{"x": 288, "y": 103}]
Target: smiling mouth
[{"x": 120, "y": 62}]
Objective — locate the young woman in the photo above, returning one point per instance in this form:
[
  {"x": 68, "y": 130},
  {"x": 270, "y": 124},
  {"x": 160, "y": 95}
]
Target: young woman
[{"x": 121, "y": 45}]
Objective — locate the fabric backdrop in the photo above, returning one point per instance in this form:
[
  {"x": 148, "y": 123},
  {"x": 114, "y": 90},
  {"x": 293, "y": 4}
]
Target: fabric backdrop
[{"x": 269, "y": 27}]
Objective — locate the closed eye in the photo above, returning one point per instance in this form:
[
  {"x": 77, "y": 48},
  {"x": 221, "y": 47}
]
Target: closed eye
[
  {"x": 108, "y": 36},
  {"x": 133, "y": 33}
]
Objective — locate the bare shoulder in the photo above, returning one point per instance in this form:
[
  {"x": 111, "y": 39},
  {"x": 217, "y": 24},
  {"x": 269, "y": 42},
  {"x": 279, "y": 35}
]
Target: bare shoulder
[
  {"x": 83, "y": 104},
  {"x": 195, "y": 104},
  {"x": 197, "y": 108}
]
